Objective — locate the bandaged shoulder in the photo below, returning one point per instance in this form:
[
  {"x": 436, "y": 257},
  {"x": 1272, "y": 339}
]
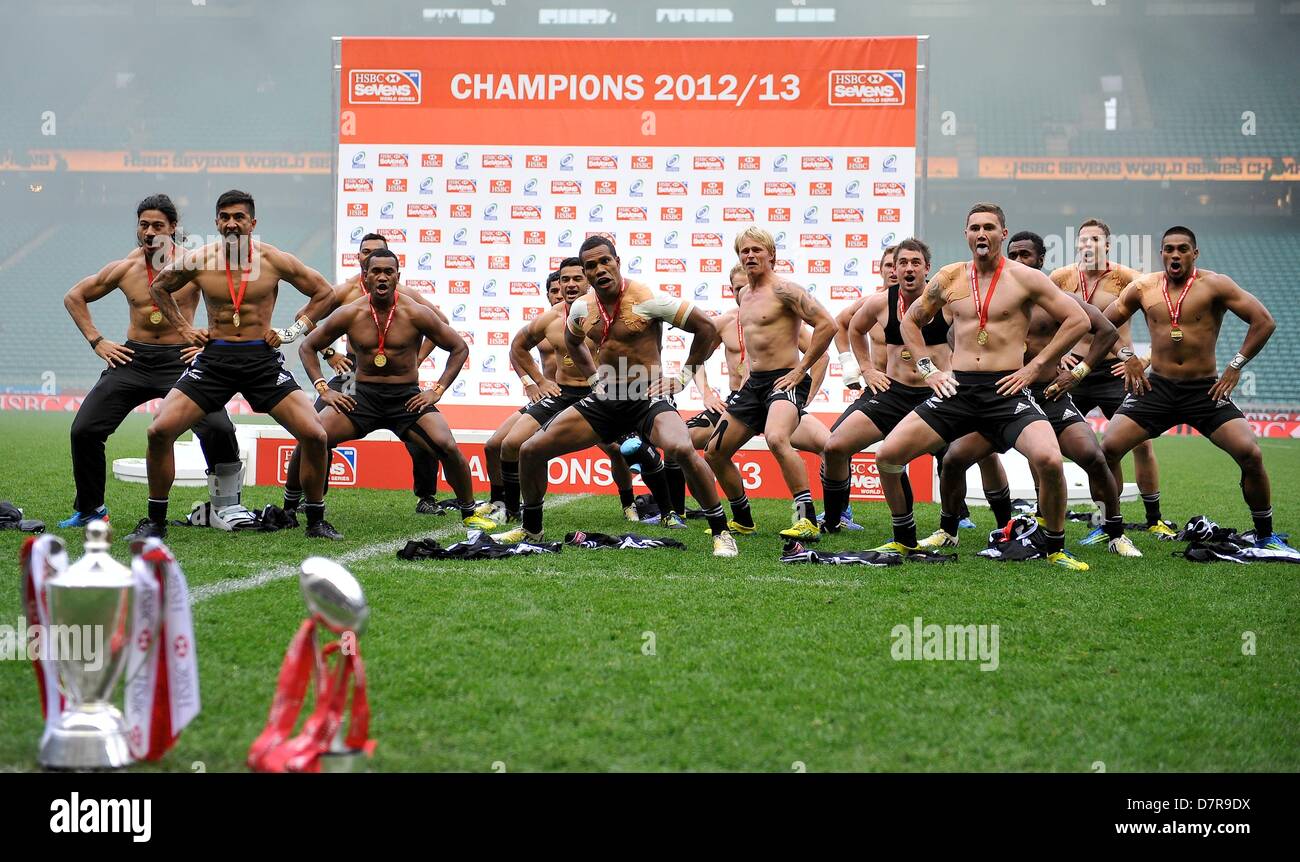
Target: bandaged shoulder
[
  {"x": 669, "y": 309},
  {"x": 578, "y": 317}
]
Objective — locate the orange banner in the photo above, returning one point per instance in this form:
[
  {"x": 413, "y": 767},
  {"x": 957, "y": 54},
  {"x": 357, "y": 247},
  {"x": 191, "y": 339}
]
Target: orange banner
[
  {"x": 628, "y": 92},
  {"x": 167, "y": 162},
  {"x": 1115, "y": 168}
]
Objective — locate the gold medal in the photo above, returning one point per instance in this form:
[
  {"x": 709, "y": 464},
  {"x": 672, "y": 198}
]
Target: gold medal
[
  {"x": 568, "y": 361},
  {"x": 1176, "y": 333},
  {"x": 235, "y": 319},
  {"x": 983, "y": 337},
  {"x": 906, "y": 355},
  {"x": 380, "y": 360},
  {"x": 156, "y": 317}
]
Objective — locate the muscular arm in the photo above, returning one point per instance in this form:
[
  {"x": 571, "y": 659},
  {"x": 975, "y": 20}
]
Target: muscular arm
[
  {"x": 445, "y": 337},
  {"x": 919, "y": 314},
  {"x": 321, "y": 299},
  {"x": 819, "y": 367},
  {"x": 1259, "y": 322},
  {"x": 173, "y": 277},
  {"x": 426, "y": 346},
  {"x": 843, "y": 335},
  {"x": 861, "y": 327},
  {"x": 879, "y": 349},
  {"x": 1070, "y": 314},
  {"x": 1104, "y": 333},
  {"x": 575, "y": 338},
  {"x": 810, "y": 311},
  {"x": 706, "y": 338},
  {"x": 321, "y": 337},
  {"x": 89, "y": 289},
  {"x": 521, "y": 346}
]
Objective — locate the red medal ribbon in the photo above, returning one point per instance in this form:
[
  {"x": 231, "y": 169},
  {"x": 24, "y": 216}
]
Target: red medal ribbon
[
  {"x": 383, "y": 333},
  {"x": 608, "y": 319},
  {"x": 983, "y": 309},
  {"x": 740, "y": 333},
  {"x": 1083, "y": 283},
  {"x": 152, "y": 275},
  {"x": 243, "y": 278},
  {"x": 1175, "y": 309}
]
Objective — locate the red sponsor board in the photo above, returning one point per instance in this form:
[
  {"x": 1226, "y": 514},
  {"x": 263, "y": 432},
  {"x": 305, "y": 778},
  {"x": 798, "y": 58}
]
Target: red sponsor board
[
  {"x": 783, "y": 266},
  {"x": 888, "y": 190},
  {"x": 670, "y": 213},
  {"x": 524, "y": 288},
  {"x": 631, "y": 214},
  {"x": 819, "y": 189},
  {"x": 431, "y": 160},
  {"x": 672, "y": 289},
  {"x": 606, "y": 187},
  {"x": 749, "y": 163},
  {"x": 392, "y": 234},
  {"x": 493, "y": 312},
  {"x": 384, "y": 464},
  {"x": 778, "y": 213},
  {"x": 845, "y": 291},
  {"x": 566, "y": 187},
  {"x": 458, "y": 286},
  {"x": 534, "y": 237},
  {"x": 708, "y": 163},
  {"x": 858, "y": 163},
  {"x": 670, "y": 187},
  {"x": 819, "y": 266},
  {"x": 856, "y": 240},
  {"x": 498, "y": 261},
  {"x": 430, "y": 234},
  {"x": 643, "y": 163},
  {"x": 393, "y": 160},
  {"x": 498, "y": 339},
  {"x": 494, "y": 237},
  {"x": 778, "y": 189},
  {"x": 706, "y": 240},
  {"x": 816, "y": 163},
  {"x": 526, "y": 212},
  {"x": 358, "y": 210},
  {"x": 566, "y": 213},
  {"x": 499, "y": 187},
  {"x": 602, "y": 163},
  {"x": 639, "y": 237},
  {"x": 737, "y": 214},
  {"x": 395, "y": 184},
  {"x": 889, "y": 214},
  {"x": 458, "y": 261},
  {"x": 710, "y": 264},
  {"x": 491, "y": 388},
  {"x": 711, "y": 188},
  {"x": 848, "y": 214},
  {"x": 497, "y": 160},
  {"x": 358, "y": 184},
  {"x": 461, "y": 187},
  {"x": 532, "y": 312},
  {"x": 422, "y": 285},
  {"x": 670, "y": 264},
  {"x": 426, "y": 210},
  {"x": 867, "y": 87},
  {"x": 814, "y": 240},
  {"x": 462, "y": 210}
]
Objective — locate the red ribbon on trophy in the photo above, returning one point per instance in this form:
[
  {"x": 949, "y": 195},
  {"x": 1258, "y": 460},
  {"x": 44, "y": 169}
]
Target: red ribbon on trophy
[
  {"x": 275, "y": 749},
  {"x": 41, "y": 557},
  {"x": 162, "y": 694}
]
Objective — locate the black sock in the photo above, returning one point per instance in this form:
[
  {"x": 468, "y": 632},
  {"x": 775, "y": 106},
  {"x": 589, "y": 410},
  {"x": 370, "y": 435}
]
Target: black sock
[
  {"x": 804, "y": 502},
  {"x": 1114, "y": 526},
  {"x": 532, "y": 517},
  {"x": 466, "y": 509},
  {"x": 948, "y": 523},
  {"x": 1263, "y": 523},
  {"x": 656, "y": 480},
  {"x": 676, "y": 486},
  {"x": 158, "y": 511},
  {"x": 1000, "y": 502},
  {"x": 740, "y": 512},
  {"x": 717, "y": 519},
  {"x": 1053, "y": 541},
  {"x": 510, "y": 485},
  {"x": 626, "y": 496},
  {"x": 497, "y": 494},
  {"x": 1152, "y": 504},
  {"x": 905, "y": 530},
  {"x": 835, "y": 497},
  {"x": 292, "y": 499},
  {"x": 315, "y": 512}
]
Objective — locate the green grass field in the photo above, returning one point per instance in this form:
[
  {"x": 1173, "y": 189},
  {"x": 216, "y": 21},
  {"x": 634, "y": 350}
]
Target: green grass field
[{"x": 538, "y": 662}]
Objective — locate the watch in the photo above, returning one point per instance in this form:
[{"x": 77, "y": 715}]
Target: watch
[{"x": 328, "y": 353}]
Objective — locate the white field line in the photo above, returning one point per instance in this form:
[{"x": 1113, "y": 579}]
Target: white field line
[{"x": 366, "y": 552}]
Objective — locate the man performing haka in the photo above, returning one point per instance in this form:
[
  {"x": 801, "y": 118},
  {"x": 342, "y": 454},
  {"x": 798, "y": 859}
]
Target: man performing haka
[
  {"x": 1184, "y": 308},
  {"x": 424, "y": 465},
  {"x": 771, "y": 402},
  {"x": 988, "y": 389},
  {"x": 550, "y": 390},
  {"x": 890, "y": 395},
  {"x": 624, "y": 319},
  {"x": 386, "y": 329},
  {"x": 145, "y": 367},
  {"x": 236, "y": 356},
  {"x": 1073, "y": 433},
  {"x": 1098, "y": 283}
]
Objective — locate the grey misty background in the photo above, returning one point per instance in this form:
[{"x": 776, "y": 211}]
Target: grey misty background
[{"x": 1008, "y": 79}]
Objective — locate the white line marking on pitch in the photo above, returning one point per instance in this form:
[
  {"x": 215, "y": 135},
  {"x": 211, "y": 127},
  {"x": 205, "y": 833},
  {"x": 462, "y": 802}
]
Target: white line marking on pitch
[
  {"x": 697, "y": 578},
  {"x": 279, "y": 573}
]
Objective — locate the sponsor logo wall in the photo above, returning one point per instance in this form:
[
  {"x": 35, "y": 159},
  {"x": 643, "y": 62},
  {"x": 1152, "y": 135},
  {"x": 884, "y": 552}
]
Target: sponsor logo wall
[{"x": 485, "y": 180}]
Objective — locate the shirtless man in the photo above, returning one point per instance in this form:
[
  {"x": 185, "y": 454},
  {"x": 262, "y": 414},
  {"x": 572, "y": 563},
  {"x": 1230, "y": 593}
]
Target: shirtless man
[
  {"x": 1184, "y": 308},
  {"x": 988, "y": 300},
  {"x": 550, "y": 390},
  {"x": 143, "y": 368},
  {"x": 239, "y": 278},
  {"x": 771, "y": 313},
  {"x": 889, "y": 395},
  {"x": 1073, "y": 433},
  {"x": 388, "y": 330},
  {"x": 853, "y": 350},
  {"x": 1098, "y": 282},
  {"x": 624, "y": 319},
  {"x": 424, "y": 465}
]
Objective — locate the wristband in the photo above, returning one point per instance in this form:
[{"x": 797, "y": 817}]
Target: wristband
[
  {"x": 925, "y": 366},
  {"x": 527, "y": 380},
  {"x": 300, "y": 327},
  {"x": 1080, "y": 371},
  {"x": 437, "y": 386},
  {"x": 1124, "y": 354},
  {"x": 1238, "y": 362},
  {"x": 849, "y": 365},
  {"x": 593, "y": 380},
  {"x": 320, "y": 385},
  {"x": 95, "y": 343}
]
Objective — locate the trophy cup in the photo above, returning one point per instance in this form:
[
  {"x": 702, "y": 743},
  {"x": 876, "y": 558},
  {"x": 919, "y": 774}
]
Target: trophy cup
[
  {"x": 94, "y": 595},
  {"x": 336, "y": 604}
]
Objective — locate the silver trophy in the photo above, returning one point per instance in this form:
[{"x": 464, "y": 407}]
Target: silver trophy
[
  {"x": 93, "y": 595},
  {"x": 334, "y": 597}
]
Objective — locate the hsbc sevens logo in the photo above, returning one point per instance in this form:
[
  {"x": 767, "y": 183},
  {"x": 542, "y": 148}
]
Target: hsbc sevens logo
[
  {"x": 866, "y": 87},
  {"x": 384, "y": 87}
]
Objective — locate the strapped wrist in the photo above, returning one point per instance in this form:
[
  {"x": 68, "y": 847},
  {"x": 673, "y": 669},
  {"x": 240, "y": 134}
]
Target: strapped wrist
[
  {"x": 925, "y": 366},
  {"x": 1239, "y": 361},
  {"x": 527, "y": 380},
  {"x": 1080, "y": 371}
]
